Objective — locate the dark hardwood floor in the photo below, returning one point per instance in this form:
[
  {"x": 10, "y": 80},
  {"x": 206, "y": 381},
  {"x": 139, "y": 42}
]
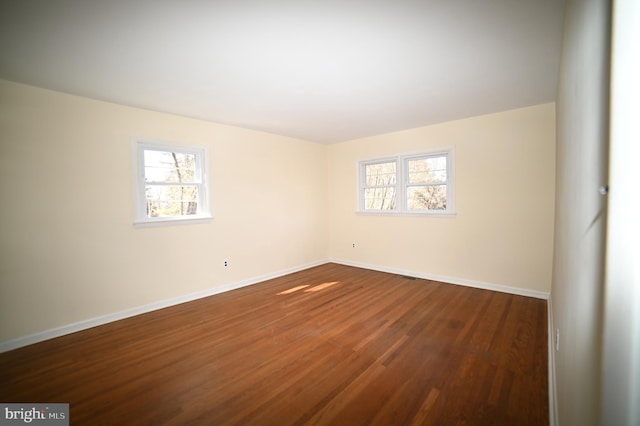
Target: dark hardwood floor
[{"x": 331, "y": 345}]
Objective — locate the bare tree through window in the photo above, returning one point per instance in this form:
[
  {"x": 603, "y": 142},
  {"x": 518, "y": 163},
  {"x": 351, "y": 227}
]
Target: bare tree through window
[
  {"x": 380, "y": 186},
  {"x": 427, "y": 183},
  {"x": 413, "y": 183},
  {"x": 170, "y": 179}
]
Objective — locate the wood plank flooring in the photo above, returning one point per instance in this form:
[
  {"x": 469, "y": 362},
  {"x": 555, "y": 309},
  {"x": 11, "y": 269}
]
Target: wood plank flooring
[{"x": 332, "y": 345}]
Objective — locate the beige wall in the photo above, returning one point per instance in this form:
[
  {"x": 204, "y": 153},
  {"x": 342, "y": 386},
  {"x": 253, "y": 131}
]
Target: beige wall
[
  {"x": 502, "y": 234},
  {"x": 579, "y": 248},
  {"x": 68, "y": 248}
]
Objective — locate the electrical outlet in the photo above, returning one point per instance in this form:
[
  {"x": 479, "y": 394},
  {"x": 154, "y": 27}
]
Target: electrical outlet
[
  {"x": 226, "y": 263},
  {"x": 353, "y": 245},
  {"x": 557, "y": 339}
]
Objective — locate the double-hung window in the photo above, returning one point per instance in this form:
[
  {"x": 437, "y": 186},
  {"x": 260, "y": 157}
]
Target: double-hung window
[
  {"x": 413, "y": 184},
  {"x": 171, "y": 184},
  {"x": 380, "y": 184}
]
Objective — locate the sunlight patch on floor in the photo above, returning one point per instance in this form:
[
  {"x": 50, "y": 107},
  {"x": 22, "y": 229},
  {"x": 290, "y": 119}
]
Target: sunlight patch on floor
[
  {"x": 321, "y": 286},
  {"x": 293, "y": 290},
  {"x": 308, "y": 290}
]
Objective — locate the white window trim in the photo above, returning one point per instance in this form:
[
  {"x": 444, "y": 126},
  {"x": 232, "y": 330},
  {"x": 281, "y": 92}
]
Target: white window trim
[
  {"x": 140, "y": 210},
  {"x": 401, "y": 178}
]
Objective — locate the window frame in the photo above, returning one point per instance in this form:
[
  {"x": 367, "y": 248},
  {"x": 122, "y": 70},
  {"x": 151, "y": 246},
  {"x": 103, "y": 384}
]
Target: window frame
[
  {"x": 201, "y": 153},
  {"x": 402, "y": 183}
]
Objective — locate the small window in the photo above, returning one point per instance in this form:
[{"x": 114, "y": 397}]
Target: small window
[
  {"x": 426, "y": 183},
  {"x": 171, "y": 183},
  {"x": 380, "y": 185},
  {"x": 416, "y": 183}
]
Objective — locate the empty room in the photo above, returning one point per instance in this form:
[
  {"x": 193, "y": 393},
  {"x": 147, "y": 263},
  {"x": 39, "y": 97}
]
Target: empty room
[{"x": 341, "y": 213}]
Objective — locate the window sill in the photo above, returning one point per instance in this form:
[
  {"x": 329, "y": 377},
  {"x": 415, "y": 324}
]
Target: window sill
[
  {"x": 406, "y": 214},
  {"x": 172, "y": 221}
]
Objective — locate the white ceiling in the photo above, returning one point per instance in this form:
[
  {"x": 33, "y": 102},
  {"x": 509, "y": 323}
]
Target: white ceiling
[{"x": 320, "y": 70}]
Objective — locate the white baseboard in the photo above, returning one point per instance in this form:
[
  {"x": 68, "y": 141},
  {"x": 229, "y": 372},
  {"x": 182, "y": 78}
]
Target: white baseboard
[
  {"x": 105, "y": 319},
  {"x": 449, "y": 280}
]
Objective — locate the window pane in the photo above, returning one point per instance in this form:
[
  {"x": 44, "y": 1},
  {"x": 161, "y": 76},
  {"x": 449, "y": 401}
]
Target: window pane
[
  {"x": 171, "y": 200},
  {"x": 380, "y": 174},
  {"x": 427, "y": 170},
  {"x": 428, "y": 197},
  {"x": 380, "y": 198},
  {"x": 167, "y": 166}
]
